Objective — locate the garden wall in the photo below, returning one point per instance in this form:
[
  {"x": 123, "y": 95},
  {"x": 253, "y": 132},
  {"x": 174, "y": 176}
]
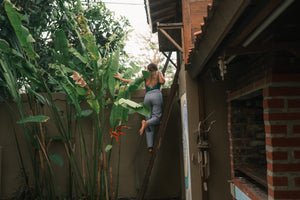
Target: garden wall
[{"x": 165, "y": 181}]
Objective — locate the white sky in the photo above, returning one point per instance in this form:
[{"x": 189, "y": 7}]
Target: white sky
[{"x": 134, "y": 11}]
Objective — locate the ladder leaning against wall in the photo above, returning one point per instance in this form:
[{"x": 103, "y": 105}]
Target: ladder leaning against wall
[{"x": 162, "y": 128}]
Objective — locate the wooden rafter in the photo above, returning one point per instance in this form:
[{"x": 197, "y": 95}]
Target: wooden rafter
[
  {"x": 170, "y": 60},
  {"x": 167, "y": 63},
  {"x": 171, "y": 39}
]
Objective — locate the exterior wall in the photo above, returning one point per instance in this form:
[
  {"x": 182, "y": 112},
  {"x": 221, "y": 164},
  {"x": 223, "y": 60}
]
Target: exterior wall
[
  {"x": 214, "y": 101},
  {"x": 215, "y": 105},
  {"x": 282, "y": 114},
  {"x": 165, "y": 180},
  {"x": 191, "y": 91},
  {"x": 193, "y": 12}
]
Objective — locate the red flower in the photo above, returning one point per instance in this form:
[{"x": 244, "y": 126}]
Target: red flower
[{"x": 117, "y": 133}]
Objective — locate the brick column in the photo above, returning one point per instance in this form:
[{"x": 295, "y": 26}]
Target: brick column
[{"x": 282, "y": 127}]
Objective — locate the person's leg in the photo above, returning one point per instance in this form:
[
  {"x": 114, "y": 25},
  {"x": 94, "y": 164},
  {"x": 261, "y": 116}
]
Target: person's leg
[
  {"x": 156, "y": 109},
  {"x": 150, "y": 136},
  {"x": 154, "y": 120},
  {"x": 147, "y": 102}
]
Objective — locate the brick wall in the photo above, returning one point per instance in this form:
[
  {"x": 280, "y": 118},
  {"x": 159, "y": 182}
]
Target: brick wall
[
  {"x": 247, "y": 130},
  {"x": 282, "y": 122},
  {"x": 281, "y": 115}
]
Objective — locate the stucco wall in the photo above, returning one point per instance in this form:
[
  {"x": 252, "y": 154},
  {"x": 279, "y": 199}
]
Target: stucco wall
[
  {"x": 211, "y": 102},
  {"x": 215, "y": 104},
  {"x": 165, "y": 180}
]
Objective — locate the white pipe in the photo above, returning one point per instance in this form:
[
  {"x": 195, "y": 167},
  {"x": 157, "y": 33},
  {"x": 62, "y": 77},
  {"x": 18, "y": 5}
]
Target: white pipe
[
  {"x": 267, "y": 22},
  {"x": 264, "y": 25}
]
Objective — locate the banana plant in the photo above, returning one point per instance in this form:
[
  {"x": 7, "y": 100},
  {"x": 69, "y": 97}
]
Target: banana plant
[{"x": 83, "y": 74}]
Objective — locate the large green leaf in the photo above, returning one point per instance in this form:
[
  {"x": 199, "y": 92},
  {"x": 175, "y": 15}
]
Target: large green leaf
[
  {"x": 81, "y": 91},
  {"x": 37, "y": 118},
  {"x": 131, "y": 105},
  {"x": 4, "y": 46},
  {"x": 10, "y": 79},
  {"x": 22, "y": 32},
  {"x": 113, "y": 68},
  {"x": 94, "y": 105},
  {"x": 146, "y": 74},
  {"x": 61, "y": 46},
  {"x": 78, "y": 55},
  {"x": 117, "y": 111},
  {"x": 57, "y": 159},
  {"x": 83, "y": 114},
  {"x": 108, "y": 148},
  {"x": 135, "y": 84},
  {"x": 89, "y": 37}
]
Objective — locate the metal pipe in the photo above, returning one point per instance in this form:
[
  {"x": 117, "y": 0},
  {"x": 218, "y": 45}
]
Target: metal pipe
[
  {"x": 264, "y": 25},
  {"x": 267, "y": 22}
]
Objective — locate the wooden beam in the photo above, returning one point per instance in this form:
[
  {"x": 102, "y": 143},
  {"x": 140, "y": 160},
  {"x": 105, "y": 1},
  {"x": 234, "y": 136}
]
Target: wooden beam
[
  {"x": 170, "y": 60},
  {"x": 169, "y": 25},
  {"x": 167, "y": 17},
  {"x": 164, "y": 10},
  {"x": 171, "y": 39},
  {"x": 167, "y": 63}
]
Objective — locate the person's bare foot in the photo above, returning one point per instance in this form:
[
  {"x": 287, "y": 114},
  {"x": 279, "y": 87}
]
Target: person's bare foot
[
  {"x": 144, "y": 125},
  {"x": 150, "y": 149}
]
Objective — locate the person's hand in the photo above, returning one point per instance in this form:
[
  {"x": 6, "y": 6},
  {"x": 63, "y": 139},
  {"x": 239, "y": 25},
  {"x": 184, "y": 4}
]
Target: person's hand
[{"x": 117, "y": 75}]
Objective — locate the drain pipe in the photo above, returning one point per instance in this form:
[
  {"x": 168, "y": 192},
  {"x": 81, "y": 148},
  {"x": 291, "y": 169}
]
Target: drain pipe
[{"x": 264, "y": 25}]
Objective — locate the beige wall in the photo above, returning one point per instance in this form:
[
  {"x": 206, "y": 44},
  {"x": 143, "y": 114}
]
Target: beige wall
[
  {"x": 165, "y": 180},
  {"x": 214, "y": 101},
  {"x": 190, "y": 88},
  {"x": 215, "y": 104}
]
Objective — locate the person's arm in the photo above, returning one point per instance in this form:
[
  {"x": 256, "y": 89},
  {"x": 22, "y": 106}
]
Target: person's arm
[
  {"x": 161, "y": 78},
  {"x": 117, "y": 75}
]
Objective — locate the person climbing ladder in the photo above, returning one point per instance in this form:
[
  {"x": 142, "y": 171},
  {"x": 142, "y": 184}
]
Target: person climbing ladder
[{"x": 153, "y": 99}]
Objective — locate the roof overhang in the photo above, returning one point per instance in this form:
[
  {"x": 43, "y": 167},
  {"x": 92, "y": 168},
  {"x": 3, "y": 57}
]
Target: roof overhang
[
  {"x": 166, "y": 15},
  {"x": 239, "y": 28}
]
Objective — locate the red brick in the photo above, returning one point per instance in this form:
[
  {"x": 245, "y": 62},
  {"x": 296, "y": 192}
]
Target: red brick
[
  {"x": 229, "y": 128},
  {"x": 272, "y": 129},
  {"x": 296, "y": 129},
  {"x": 251, "y": 192},
  {"x": 287, "y": 194},
  {"x": 284, "y": 167},
  {"x": 273, "y": 103},
  {"x": 285, "y": 78},
  {"x": 281, "y": 116},
  {"x": 229, "y": 111},
  {"x": 277, "y": 155},
  {"x": 277, "y": 181},
  {"x": 297, "y": 154},
  {"x": 297, "y": 181},
  {"x": 281, "y": 91},
  {"x": 294, "y": 103},
  {"x": 282, "y": 142}
]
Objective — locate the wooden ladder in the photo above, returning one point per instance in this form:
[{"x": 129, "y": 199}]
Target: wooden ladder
[{"x": 160, "y": 134}]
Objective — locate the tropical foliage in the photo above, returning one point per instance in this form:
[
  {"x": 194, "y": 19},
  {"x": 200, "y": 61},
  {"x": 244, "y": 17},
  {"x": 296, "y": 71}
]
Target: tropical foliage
[{"x": 61, "y": 53}]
